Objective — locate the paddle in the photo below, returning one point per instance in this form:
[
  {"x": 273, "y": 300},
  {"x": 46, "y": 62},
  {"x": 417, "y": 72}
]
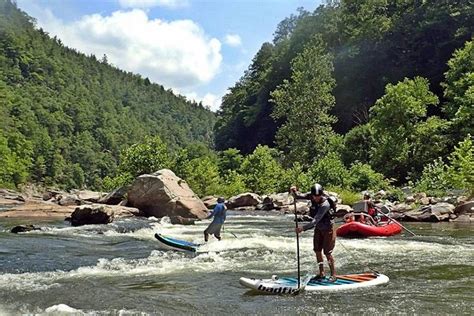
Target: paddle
[
  {"x": 297, "y": 242},
  {"x": 229, "y": 232},
  {"x": 397, "y": 222}
]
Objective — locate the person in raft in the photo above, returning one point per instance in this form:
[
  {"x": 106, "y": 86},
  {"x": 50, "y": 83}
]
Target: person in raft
[
  {"x": 219, "y": 214},
  {"x": 371, "y": 210},
  {"x": 324, "y": 238}
]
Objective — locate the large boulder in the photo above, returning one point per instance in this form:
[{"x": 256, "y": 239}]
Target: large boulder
[
  {"x": 164, "y": 194},
  {"x": 244, "y": 200}
]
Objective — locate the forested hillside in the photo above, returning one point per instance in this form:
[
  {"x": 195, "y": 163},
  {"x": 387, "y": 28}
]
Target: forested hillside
[
  {"x": 372, "y": 44},
  {"x": 65, "y": 116}
]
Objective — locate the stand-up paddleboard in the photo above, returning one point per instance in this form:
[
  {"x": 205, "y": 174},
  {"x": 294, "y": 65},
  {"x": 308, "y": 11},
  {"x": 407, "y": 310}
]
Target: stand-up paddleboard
[
  {"x": 289, "y": 285},
  {"x": 176, "y": 244}
]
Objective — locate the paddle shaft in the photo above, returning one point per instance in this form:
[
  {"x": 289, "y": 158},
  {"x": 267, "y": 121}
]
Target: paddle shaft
[
  {"x": 297, "y": 242},
  {"x": 398, "y": 223},
  {"x": 229, "y": 232}
]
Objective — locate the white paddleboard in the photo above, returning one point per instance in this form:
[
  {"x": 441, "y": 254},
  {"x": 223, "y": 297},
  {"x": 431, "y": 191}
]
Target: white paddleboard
[{"x": 289, "y": 285}]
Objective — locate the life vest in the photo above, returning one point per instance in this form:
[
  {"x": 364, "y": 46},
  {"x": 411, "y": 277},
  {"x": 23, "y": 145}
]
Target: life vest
[{"x": 331, "y": 213}]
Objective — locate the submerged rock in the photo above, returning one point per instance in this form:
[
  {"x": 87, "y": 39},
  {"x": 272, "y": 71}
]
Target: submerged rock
[
  {"x": 23, "y": 228},
  {"x": 182, "y": 220}
]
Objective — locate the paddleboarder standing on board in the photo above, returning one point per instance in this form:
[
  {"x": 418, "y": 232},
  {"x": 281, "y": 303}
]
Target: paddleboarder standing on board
[
  {"x": 324, "y": 238},
  {"x": 219, "y": 214}
]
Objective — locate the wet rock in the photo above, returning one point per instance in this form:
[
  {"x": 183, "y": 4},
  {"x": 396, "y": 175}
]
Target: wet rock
[
  {"x": 91, "y": 214},
  {"x": 182, "y": 220},
  {"x": 114, "y": 197},
  {"x": 164, "y": 194},
  {"x": 23, "y": 228},
  {"x": 244, "y": 200}
]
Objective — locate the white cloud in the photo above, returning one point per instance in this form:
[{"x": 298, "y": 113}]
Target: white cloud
[
  {"x": 153, "y": 3},
  {"x": 177, "y": 54},
  {"x": 211, "y": 100},
  {"x": 233, "y": 40}
]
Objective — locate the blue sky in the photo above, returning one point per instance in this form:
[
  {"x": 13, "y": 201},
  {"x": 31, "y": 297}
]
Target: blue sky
[{"x": 198, "y": 48}]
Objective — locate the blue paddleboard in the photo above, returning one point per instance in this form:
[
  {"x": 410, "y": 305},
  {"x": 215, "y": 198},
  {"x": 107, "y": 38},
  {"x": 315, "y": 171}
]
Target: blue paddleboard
[{"x": 176, "y": 244}]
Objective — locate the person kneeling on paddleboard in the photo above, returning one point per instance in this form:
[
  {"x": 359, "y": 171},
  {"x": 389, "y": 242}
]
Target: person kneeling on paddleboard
[
  {"x": 219, "y": 214},
  {"x": 324, "y": 234}
]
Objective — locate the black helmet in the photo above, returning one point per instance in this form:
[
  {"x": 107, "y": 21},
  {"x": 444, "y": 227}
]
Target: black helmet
[
  {"x": 220, "y": 199},
  {"x": 317, "y": 189}
]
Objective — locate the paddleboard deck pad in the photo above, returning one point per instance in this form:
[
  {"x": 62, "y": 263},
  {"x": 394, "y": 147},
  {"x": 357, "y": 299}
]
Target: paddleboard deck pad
[
  {"x": 176, "y": 244},
  {"x": 289, "y": 285}
]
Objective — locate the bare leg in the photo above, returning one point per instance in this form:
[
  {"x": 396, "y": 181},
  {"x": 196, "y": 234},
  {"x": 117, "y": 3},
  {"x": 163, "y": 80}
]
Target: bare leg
[
  {"x": 319, "y": 259},
  {"x": 331, "y": 264}
]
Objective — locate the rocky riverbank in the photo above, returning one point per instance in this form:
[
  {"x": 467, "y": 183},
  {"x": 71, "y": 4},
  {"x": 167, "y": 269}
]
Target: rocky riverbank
[{"x": 164, "y": 194}]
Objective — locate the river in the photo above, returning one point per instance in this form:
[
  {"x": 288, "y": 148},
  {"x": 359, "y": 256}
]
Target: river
[{"x": 118, "y": 269}]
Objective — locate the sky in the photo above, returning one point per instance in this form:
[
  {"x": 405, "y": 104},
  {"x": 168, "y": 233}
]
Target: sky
[{"x": 197, "y": 48}]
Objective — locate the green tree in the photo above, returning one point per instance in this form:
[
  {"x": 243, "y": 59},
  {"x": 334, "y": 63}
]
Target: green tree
[
  {"x": 394, "y": 118},
  {"x": 303, "y": 103},
  {"x": 202, "y": 175},
  {"x": 261, "y": 171},
  {"x": 461, "y": 166},
  {"x": 363, "y": 177},
  {"x": 147, "y": 157},
  {"x": 357, "y": 144},
  {"x": 459, "y": 91},
  {"x": 232, "y": 183},
  {"x": 329, "y": 171},
  {"x": 230, "y": 159}
]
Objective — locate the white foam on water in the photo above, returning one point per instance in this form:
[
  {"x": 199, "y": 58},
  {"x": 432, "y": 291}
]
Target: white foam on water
[
  {"x": 61, "y": 309},
  {"x": 254, "y": 252}
]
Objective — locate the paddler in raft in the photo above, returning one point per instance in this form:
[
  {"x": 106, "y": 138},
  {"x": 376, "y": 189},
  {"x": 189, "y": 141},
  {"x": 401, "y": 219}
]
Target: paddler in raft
[
  {"x": 219, "y": 214},
  {"x": 324, "y": 234}
]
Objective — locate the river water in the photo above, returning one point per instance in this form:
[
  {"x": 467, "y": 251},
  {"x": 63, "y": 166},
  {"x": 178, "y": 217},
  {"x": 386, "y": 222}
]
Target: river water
[{"x": 118, "y": 269}]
